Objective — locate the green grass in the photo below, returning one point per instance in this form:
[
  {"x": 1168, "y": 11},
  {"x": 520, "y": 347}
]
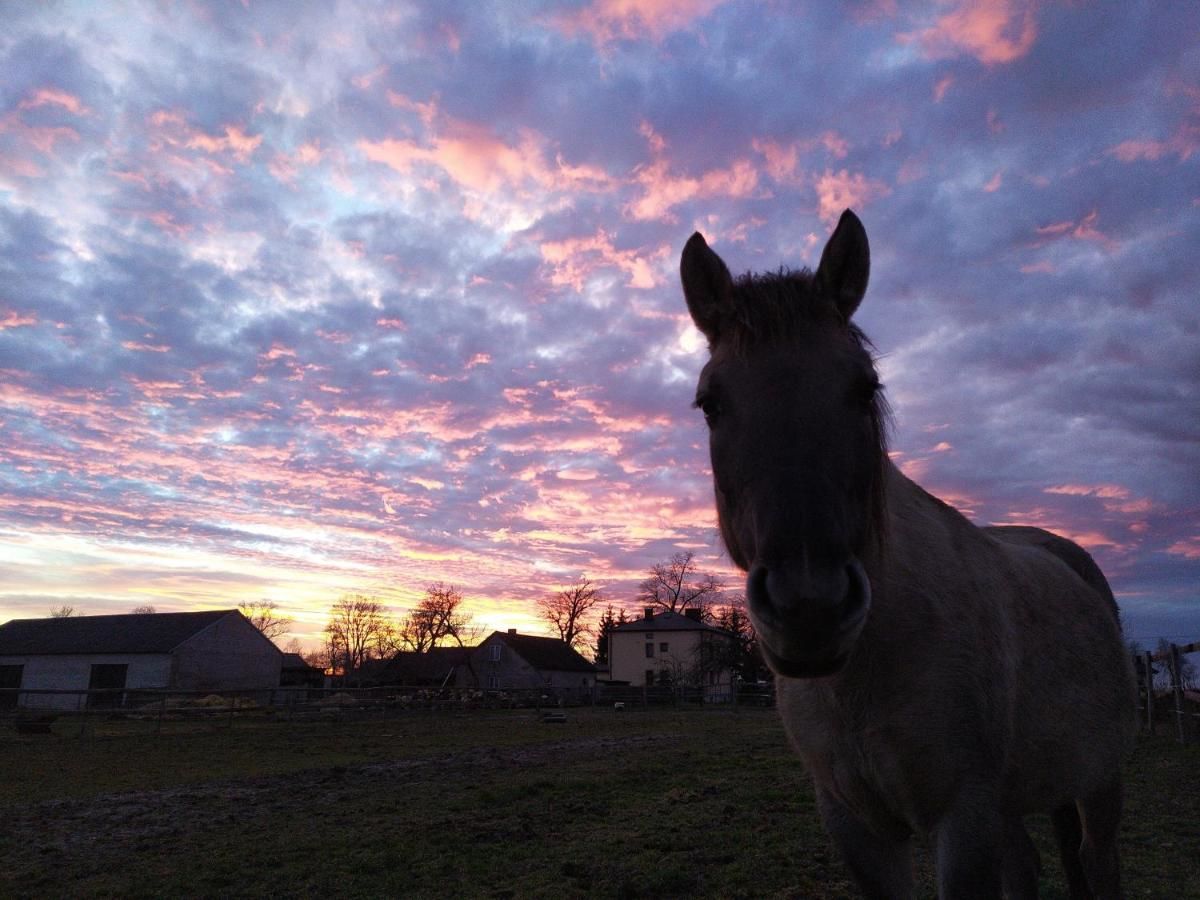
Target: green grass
[{"x": 639, "y": 804}]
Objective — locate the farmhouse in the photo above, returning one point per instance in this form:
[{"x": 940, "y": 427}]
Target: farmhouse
[
  {"x": 671, "y": 648},
  {"x": 201, "y": 651},
  {"x": 512, "y": 661}
]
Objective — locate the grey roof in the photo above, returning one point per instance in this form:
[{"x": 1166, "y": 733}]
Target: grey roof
[
  {"x": 545, "y": 653},
  {"x": 668, "y": 621},
  {"x": 127, "y": 633}
]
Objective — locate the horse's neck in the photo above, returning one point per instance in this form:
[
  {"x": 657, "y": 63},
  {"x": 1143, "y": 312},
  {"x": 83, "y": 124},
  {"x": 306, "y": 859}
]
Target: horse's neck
[{"x": 918, "y": 522}]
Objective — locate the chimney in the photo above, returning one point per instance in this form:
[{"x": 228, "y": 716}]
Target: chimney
[
  {"x": 693, "y": 613},
  {"x": 512, "y": 631},
  {"x": 649, "y": 610}
]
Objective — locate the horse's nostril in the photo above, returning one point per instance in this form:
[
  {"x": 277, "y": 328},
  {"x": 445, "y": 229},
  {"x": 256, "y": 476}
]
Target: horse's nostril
[{"x": 756, "y": 586}]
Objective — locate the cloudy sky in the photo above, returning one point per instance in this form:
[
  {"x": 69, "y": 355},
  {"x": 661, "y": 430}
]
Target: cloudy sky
[{"x": 302, "y": 299}]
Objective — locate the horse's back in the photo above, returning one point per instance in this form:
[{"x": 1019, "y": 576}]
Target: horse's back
[{"x": 1076, "y": 558}]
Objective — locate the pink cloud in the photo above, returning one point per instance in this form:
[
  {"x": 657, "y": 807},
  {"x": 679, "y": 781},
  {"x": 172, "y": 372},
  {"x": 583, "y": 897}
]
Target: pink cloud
[
  {"x": 11, "y": 319},
  {"x": 782, "y": 161},
  {"x": 837, "y": 191},
  {"x": 1182, "y": 145},
  {"x": 1084, "y": 229},
  {"x": 993, "y": 31},
  {"x": 475, "y": 158},
  {"x": 605, "y": 21},
  {"x": 1188, "y": 548},
  {"x": 662, "y": 190},
  {"x": 573, "y": 260},
  {"x": 940, "y": 87},
  {"x": 50, "y": 96},
  {"x": 171, "y": 129}
]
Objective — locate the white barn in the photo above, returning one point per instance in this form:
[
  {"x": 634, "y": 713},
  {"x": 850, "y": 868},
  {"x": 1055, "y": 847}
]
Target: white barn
[{"x": 218, "y": 650}]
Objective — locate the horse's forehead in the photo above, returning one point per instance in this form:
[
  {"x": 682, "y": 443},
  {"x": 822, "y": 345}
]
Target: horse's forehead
[{"x": 815, "y": 352}]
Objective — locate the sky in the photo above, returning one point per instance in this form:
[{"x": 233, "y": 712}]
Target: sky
[{"x": 302, "y": 299}]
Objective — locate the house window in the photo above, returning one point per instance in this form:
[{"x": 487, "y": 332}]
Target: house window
[
  {"x": 649, "y": 651},
  {"x": 494, "y": 682},
  {"x": 494, "y": 653},
  {"x": 10, "y": 680},
  {"x": 649, "y": 676},
  {"x": 662, "y": 648}
]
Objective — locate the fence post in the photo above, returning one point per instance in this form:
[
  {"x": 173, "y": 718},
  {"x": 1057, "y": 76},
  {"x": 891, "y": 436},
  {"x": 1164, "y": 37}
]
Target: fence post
[
  {"x": 1177, "y": 690},
  {"x": 1149, "y": 662}
]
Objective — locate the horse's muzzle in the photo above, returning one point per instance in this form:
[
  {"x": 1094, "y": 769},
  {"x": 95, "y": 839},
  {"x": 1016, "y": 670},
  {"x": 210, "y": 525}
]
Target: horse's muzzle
[{"x": 807, "y": 622}]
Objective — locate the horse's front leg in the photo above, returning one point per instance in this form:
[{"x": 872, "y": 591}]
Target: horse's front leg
[
  {"x": 881, "y": 864},
  {"x": 970, "y": 848}
]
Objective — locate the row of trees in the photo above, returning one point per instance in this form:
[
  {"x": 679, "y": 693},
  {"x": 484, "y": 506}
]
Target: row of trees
[{"x": 360, "y": 627}]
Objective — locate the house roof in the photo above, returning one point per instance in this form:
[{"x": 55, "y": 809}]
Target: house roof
[
  {"x": 126, "y": 633},
  {"x": 668, "y": 621},
  {"x": 544, "y": 653}
]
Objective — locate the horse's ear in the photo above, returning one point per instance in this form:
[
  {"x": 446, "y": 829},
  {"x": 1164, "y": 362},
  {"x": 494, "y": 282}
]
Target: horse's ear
[
  {"x": 845, "y": 265},
  {"x": 707, "y": 286}
]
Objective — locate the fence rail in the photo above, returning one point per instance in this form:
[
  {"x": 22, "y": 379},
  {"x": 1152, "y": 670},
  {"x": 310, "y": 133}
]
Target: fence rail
[
  {"x": 159, "y": 710},
  {"x": 1178, "y": 699}
]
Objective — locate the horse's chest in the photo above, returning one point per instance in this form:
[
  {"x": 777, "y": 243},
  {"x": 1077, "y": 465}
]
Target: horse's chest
[{"x": 859, "y": 766}]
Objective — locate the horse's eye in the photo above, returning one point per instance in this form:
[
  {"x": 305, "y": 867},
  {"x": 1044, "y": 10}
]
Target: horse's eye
[
  {"x": 708, "y": 405},
  {"x": 864, "y": 393}
]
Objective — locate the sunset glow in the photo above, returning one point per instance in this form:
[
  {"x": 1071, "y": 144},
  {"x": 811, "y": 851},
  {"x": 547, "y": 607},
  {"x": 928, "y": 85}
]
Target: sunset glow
[{"x": 299, "y": 300}]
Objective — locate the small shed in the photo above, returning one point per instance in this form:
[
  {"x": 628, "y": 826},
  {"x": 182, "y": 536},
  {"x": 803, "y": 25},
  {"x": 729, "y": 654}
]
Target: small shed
[{"x": 217, "y": 650}]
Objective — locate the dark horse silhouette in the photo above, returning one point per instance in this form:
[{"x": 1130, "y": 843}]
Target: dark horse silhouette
[{"x": 934, "y": 677}]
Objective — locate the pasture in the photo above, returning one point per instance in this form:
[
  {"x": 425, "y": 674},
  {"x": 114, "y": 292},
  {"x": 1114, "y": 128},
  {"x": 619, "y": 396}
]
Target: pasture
[{"x": 658, "y": 803}]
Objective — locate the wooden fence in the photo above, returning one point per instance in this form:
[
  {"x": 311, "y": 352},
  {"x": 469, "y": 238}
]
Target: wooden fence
[{"x": 1180, "y": 700}]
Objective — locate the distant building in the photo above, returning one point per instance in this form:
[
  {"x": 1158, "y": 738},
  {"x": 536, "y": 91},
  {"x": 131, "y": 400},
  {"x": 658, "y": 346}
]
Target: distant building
[
  {"x": 512, "y": 661},
  {"x": 664, "y": 648},
  {"x": 437, "y": 667},
  {"x": 295, "y": 672},
  {"x": 200, "y": 651}
]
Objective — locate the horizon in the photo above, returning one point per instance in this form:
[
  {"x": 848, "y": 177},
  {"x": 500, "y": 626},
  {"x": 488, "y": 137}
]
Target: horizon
[{"x": 300, "y": 302}]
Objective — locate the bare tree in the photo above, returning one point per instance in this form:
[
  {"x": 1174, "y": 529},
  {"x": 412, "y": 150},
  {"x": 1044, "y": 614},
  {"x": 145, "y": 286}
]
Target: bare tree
[
  {"x": 63, "y": 612},
  {"x": 266, "y": 617},
  {"x": 144, "y": 609},
  {"x": 357, "y": 626},
  {"x": 436, "y": 620},
  {"x": 567, "y": 610},
  {"x": 676, "y": 585}
]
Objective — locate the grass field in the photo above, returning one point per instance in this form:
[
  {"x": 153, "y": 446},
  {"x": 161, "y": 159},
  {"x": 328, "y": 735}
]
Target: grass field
[{"x": 633, "y": 804}]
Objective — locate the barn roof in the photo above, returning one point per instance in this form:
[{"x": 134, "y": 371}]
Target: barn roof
[
  {"x": 545, "y": 653},
  {"x": 126, "y": 633}
]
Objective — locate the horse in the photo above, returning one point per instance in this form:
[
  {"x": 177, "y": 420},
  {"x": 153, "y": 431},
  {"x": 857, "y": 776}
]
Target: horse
[{"x": 935, "y": 677}]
